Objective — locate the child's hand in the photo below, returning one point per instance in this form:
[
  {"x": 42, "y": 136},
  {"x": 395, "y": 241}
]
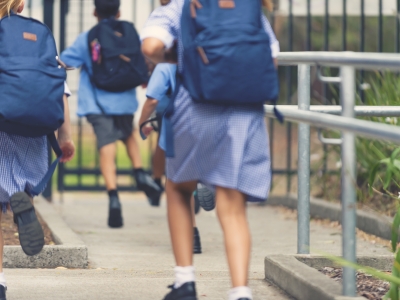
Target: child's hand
[
  {"x": 68, "y": 149},
  {"x": 147, "y": 130}
]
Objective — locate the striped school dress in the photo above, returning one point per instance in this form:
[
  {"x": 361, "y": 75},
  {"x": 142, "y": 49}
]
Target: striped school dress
[
  {"x": 23, "y": 164},
  {"x": 216, "y": 145}
]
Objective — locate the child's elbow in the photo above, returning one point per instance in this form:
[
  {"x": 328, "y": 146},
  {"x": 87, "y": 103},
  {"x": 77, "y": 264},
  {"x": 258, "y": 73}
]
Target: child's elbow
[
  {"x": 148, "y": 50},
  {"x": 153, "y": 49},
  {"x": 151, "y": 102}
]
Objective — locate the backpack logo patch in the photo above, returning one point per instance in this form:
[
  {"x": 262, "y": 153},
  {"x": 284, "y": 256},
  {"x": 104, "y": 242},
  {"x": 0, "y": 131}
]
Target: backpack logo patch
[
  {"x": 30, "y": 36},
  {"x": 227, "y": 4}
]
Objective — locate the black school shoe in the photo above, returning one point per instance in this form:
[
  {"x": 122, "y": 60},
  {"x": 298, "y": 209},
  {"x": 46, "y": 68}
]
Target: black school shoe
[
  {"x": 205, "y": 197},
  {"x": 196, "y": 204},
  {"x": 30, "y": 231},
  {"x": 146, "y": 184},
  {"x": 115, "y": 213},
  {"x": 196, "y": 241},
  {"x": 154, "y": 200},
  {"x": 3, "y": 292},
  {"x": 185, "y": 292}
]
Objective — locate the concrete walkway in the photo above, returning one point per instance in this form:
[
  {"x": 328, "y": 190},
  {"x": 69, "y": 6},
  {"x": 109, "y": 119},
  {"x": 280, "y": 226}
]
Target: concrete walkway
[{"x": 136, "y": 262}]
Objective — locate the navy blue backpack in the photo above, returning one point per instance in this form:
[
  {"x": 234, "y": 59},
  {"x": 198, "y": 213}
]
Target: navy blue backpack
[
  {"x": 120, "y": 65},
  {"x": 31, "y": 82},
  {"x": 227, "y": 55}
]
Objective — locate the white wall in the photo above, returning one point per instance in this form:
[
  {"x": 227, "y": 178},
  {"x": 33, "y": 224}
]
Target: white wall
[{"x": 36, "y": 10}]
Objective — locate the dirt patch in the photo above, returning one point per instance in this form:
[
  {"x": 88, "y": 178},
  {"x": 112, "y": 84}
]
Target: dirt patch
[
  {"x": 367, "y": 286},
  {"x": 10, "y": 231},
  {"x": 377, "y": 202},
  {"x": 291, "y": 214}
]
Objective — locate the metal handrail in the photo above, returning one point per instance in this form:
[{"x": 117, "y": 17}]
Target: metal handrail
[
  {"x": 360, "y": 111},
  {"x": 321, "y": 120},
  {"x": 358, "y": 60},
  {"x": 324, "y": 117}
]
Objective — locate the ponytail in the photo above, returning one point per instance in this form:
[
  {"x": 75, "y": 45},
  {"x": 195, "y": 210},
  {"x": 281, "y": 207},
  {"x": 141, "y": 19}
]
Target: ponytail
[{"x": 268, "y": 4}]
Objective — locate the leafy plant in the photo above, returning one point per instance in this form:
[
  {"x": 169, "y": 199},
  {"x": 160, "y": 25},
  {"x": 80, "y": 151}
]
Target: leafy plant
[
  {"x": 392, "y": 166},
  {"x": 378, "y": 165},
  {"x": 384, "y": 92}
]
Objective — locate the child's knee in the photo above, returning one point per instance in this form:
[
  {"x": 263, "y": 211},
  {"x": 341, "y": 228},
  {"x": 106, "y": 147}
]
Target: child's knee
[
  {"x": 230, "y": 202},
  {"x": 186, "y": 189}
]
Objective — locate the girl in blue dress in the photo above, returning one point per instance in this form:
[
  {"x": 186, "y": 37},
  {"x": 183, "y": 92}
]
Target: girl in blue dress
[
  {"x": 221, "y": 146},
  {"x": 23, "y": 164}
]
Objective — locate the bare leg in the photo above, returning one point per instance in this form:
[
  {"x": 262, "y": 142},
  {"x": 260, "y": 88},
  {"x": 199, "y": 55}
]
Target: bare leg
[
  {"x": 158, "y": 163},
  {"x": 107, "y": 165},
  {"x": 180, "y": 221},
  {"x": 231, "y": 210},
  {"x": 132, "y": 148},
  {"x": 193, "y": 213}
]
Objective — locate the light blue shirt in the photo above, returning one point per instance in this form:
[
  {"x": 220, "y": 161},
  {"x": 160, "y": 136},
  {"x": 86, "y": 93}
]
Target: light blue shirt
[
  {"x": 123, "y": 103},
  {"x": 161, "y": 82},
  {"x": 162, "y": 85}
]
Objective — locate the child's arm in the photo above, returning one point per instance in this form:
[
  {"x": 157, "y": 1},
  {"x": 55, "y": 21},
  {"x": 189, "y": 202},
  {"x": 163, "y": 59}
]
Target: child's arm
[
  {"x": 74, "y": 56},
  {"x": 64, "y": 135},
  {"x": 154, "y": 50},
  {"x": 159, "y": 84},
  {"x": 148, "y": 108},
  {"x": 159, "y": 33}
]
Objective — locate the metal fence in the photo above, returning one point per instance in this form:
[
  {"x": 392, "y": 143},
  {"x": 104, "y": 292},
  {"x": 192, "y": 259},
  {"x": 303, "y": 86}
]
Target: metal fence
[
  {"x": 83, "y": 173},
  {"x": 347, "y": 63},
  {"x": 328, "y": 25},
  {"x": 303, "y": 25}
]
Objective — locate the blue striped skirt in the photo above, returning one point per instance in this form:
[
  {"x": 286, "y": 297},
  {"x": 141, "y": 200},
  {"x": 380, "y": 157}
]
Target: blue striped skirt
[
  {"x": 220, "y": 146},
  {"x": 23, "y": 163}
]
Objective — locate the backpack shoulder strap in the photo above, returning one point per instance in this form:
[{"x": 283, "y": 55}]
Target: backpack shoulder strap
[
  {"x": 169, "y": 111},
  {"x": 56, "y": 148}
]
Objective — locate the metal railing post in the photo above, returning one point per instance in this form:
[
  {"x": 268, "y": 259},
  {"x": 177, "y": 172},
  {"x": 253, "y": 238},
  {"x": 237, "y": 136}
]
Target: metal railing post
[
  {"x": 348, "y": 181},
  {"x": 303, "y": 209}
]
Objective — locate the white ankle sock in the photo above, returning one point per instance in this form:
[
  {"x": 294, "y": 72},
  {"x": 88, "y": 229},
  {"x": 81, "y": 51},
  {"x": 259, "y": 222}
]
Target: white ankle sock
[
  {"x": 183, "y": 275},
  {"x": 240, "y": 292},
  {"x": 2, "y": 280}
]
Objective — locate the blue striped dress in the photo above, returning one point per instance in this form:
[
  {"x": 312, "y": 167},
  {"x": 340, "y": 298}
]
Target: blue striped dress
[
  {"x": 23, "y": 164},
  {"x": 215, "y": 145}
]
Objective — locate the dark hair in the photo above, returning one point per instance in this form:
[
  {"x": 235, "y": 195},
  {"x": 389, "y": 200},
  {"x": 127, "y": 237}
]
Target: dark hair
[{"x": 107, "y": 8}]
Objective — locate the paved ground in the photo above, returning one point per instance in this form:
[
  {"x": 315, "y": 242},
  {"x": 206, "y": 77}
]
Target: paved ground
[{"x": 136, "y": 262}]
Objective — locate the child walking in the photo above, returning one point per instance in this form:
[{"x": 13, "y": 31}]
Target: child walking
[
  {"x": 110, "y": 110},
  {"x": 24, "y": 162},
  {"x": 159, "y": 91},
  {"x": 219, "y": 145}
]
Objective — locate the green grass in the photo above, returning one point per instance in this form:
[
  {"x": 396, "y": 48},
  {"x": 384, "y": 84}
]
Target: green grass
[{"x": 87, "y": 157}]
